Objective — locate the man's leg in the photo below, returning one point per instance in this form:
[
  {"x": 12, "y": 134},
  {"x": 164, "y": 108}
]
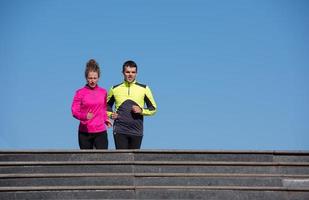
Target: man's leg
[
  {"x": 135, "y": 142},
  {"x": 121, "y": 141}
]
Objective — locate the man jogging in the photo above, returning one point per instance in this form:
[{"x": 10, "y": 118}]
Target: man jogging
[{"x": 130, "y": 98}]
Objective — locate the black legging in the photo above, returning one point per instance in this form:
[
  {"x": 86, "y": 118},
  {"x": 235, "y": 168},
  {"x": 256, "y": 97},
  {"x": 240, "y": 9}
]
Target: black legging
[
  {"x": 93, "y": 140},
  {"x": 126, "y": 141}
]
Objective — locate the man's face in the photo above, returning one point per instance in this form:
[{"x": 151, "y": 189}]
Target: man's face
[{"x": 129, "y": 74}]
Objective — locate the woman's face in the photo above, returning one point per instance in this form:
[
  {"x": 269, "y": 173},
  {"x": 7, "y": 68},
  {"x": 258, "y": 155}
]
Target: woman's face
[{"x": 92, "y": 79}]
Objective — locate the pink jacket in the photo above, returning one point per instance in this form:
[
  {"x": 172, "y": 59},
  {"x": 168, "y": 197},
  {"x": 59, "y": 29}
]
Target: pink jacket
[{"x": 91, "y": 100}]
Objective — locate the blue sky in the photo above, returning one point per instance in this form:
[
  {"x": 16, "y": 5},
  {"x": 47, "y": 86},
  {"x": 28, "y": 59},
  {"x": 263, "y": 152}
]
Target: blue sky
[{"x": 229, "y": 75}]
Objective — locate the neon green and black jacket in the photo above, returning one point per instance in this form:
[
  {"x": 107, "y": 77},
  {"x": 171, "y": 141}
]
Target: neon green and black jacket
[{"x": 124, "y": 96}]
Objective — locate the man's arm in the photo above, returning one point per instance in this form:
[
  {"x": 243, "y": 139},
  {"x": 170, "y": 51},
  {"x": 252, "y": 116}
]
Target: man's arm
[
  {"x": 150, "y": 103},
  {"x": 110, "y": 102}
]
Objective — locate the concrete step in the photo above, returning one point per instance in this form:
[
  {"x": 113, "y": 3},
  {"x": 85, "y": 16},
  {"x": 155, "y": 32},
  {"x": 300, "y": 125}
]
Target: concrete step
[
  {"x": 230, "y": 193},
  {"x": 154, "y": 174},
  {"x": 155, "y": 155},
  {"x": 69, "y": 194},
  {"x": 66, "y": 168},
  {"x": 57, "y": 175},
  {"x": 68, "y": 181},
  {"x": 209, "y": 181},
  {"x": 154, "y": 167},
  {"x": 160, "y": 179},
  {"x": 217, "y": 156},
  {"x": 225, "y": 167},
  {"x": 155, "y": 192},
  {"x": 80, "y": 155},
  {"x": 141, "y": 181}
]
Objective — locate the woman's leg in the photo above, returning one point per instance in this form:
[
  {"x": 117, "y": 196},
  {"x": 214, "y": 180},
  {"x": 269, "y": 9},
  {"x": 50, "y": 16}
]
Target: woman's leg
[
  {"x": 85, "y": 140},
  {"x": 101, "y": 140}
]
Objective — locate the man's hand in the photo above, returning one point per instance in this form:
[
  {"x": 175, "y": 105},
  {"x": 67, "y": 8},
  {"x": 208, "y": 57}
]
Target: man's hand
[
  {"x": 137, "y": 109},
  {"x": 114, "y": 115}
]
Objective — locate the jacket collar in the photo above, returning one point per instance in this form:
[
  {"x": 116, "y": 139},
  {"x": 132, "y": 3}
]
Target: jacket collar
[
  {"x": 128, "y": 84},
  {"x": 88, "y": 87}
]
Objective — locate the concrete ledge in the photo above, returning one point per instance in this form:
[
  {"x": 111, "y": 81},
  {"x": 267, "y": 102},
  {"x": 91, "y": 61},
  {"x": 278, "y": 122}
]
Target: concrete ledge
[
  {"x": 33, "y": 163},
  {"x": 55, "y": 175},
  {"x": 61, "y": 188},
  {"x": 276, "y": 152},
  {"x": 296, "y": 183}
]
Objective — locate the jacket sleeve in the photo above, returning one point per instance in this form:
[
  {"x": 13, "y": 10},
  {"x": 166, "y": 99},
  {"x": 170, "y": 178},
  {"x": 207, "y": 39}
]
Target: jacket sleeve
[
  {"x": 105, "y": 116},
  {"x": 76, "y": 107},
  {"x": 110, "y": 102},
  {"x": 150, "y": 103}
]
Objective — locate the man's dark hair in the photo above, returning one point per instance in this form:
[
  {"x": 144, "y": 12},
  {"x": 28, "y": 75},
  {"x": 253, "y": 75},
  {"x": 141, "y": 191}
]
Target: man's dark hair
[{"x": 129, "y": 63}]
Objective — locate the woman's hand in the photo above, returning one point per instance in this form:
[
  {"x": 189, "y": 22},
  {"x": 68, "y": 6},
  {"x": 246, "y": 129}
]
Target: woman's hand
[
  {"x": 89, "y": 115},
  {"x": 108, "y": 123}
]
